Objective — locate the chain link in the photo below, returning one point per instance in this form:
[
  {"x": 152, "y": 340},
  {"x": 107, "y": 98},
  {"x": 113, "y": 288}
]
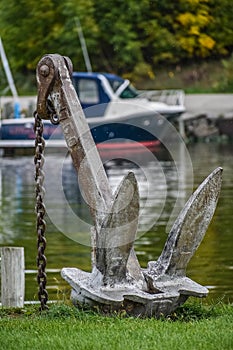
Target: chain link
[{"x": 40, "y": 212}]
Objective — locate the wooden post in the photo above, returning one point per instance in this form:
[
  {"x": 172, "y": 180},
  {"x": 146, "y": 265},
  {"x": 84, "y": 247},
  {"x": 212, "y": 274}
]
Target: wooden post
[{"x": 12, "y": 276}]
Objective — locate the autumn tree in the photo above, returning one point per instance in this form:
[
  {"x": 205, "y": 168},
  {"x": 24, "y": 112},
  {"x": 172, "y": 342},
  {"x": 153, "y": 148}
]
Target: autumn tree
[{"x": 121, "y": 36}]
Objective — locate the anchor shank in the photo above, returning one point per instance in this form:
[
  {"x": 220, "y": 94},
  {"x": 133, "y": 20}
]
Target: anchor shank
[{"x": 91, "y": 174}]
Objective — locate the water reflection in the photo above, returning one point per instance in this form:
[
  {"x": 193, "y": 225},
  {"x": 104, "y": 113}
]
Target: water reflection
[
  {"x": 163, "y": 185},
  {"x": 16, "y": 199},
  {"x": 214, "y": 257}
]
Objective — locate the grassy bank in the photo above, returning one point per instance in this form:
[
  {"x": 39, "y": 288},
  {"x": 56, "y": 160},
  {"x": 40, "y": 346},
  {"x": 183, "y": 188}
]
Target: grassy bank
[
  {"x": 210, "y": 76},
  {"x": 193, "y": 326}
]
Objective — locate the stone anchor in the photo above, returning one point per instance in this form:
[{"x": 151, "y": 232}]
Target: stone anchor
[{"x": 117, "y": 282}]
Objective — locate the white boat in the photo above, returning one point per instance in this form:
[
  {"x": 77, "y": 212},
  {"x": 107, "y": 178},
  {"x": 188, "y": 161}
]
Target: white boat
[
  {"x": 110, "y": 96},
  {"x": 116, "y": 112}
]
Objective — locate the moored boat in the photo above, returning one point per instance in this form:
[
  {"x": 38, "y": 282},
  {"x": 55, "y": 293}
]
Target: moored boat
[
  {"x": 110, "y": 96},
  {"x": 129, "y": 133},
  {"x": 119, "y": 116}
]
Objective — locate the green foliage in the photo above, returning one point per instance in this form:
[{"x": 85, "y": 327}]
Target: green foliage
[
  {"x": 30, "y": 29},
  {"x": 121, "y": 36},
  {"x": 195, "y": 311},
  {"x": 227, "y": 82},
  {"x": 221, "y": 26},
  {"x": 191, "y": 24}
]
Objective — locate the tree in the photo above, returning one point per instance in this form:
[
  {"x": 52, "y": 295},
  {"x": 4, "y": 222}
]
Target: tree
[
  {"x": 221, "y": 26},
  {"x": 121, "y": 36},
  {"x": 33, "y": 28},
  {"x": 118, "y": 39},
  {"x": 191, "y": 25}
]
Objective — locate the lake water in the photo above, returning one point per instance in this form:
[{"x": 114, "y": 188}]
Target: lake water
[{"x": 165, "y": 182}]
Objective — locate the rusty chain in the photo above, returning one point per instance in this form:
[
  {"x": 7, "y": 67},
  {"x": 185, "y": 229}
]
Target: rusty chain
[{"x": 40, "y": 212}]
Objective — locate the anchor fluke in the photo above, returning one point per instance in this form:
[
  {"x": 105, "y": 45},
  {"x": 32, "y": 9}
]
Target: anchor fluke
[
  {"x": 116, "y": 237},
  {"x": 184, "y": 239}
]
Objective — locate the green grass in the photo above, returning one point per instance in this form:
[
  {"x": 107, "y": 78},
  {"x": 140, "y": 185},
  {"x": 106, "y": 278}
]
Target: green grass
[{"x": 193, "y": 326}]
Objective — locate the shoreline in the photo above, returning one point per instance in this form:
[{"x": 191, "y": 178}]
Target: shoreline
[{"x": 196, "y": 104}]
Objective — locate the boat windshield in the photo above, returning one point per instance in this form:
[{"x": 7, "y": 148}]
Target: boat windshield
[
  {"x": 123, "y": 88},
  {"x": 129, "y": 92}
]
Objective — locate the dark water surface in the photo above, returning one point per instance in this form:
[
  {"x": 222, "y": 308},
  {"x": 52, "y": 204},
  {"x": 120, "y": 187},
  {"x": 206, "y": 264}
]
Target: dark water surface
[{"x": 163, "y": 185}]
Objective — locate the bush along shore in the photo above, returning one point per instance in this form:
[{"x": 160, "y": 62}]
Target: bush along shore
[{"x": 62, "y": 326}]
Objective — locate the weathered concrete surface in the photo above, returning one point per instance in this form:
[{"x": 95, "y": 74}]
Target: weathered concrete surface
[
  {"x": 213, "y": 105},
  {"x": 207, "y": 115}
]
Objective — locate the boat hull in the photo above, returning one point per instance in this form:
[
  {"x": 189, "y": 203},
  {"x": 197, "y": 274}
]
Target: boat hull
[{"x": 129, "y": 133}]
